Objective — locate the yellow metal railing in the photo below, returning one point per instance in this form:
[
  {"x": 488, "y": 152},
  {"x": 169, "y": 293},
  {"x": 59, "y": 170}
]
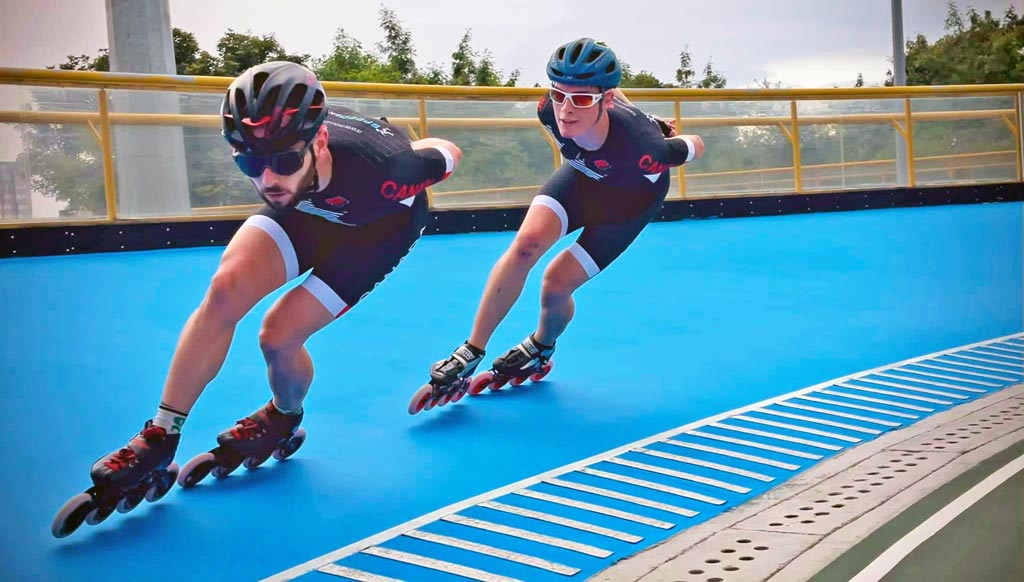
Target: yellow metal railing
[{"x": 100, "y": 122}]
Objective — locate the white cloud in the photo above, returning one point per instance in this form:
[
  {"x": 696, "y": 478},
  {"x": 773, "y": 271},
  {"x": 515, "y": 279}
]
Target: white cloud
[{"x": 821, "y": 70}]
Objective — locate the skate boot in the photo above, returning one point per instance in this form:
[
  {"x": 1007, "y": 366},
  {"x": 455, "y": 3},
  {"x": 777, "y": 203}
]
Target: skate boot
[
  {"x": 254, "y": 439},
  {"x": 142, "y": 469},
  {"x": 449, "y": 379},
  {"x": 528, "y": 360}
]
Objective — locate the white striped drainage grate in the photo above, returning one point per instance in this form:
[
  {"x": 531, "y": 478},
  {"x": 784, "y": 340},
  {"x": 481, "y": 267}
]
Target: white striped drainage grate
[
  {"x": 973, "y": 430},
  {"x": 577, "y": 520},
  {"x": 847, "y": 495}
]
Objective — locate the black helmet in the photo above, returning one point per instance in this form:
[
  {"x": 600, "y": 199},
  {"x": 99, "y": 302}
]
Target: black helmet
[{"x": 262, "y": 96}]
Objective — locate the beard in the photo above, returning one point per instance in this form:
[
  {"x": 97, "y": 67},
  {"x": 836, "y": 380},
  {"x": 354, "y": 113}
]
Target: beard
[{"x": 290, "y": 198}]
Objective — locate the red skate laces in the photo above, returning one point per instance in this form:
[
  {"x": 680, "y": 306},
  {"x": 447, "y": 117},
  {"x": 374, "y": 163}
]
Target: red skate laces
[
  {"x": 127, "y": 457},
  {"x": 246, "y": 429},
  {"x": 121, "y": 459}
]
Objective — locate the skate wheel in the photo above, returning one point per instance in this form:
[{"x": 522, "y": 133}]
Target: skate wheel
[
  {"x": 477, "y": 384},
  {"x": 101, "y": 512},
  {"x": 431, "y": 403},
  {"x": 517, "y": 381},
  {"x": 444, "y": 399},
  {"x": 255, "y": 461},
  {"x": 221, "y": 471},
  {"x": 196, "y": 470},
  {"x": 457, "y": 395},
  {"x": 71, "y": 516},
  {"x": 130, "y": 500},
  {"x": 544, "y": 371},
  {"x": 290, "y": 446},
  {"x": 420, "y": 399},
  {"x": 497, "y": 384},
  {"x": 163, "y": 483}
]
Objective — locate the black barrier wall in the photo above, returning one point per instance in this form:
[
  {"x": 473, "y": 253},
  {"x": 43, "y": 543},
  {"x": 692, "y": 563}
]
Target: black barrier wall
[{"x": 127, "y": 236}]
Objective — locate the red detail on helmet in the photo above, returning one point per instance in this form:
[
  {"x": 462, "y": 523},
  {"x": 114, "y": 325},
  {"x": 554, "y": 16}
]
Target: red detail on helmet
[
  {"x": 290, "y": 111},
  {"x": 337, "y": 201}
]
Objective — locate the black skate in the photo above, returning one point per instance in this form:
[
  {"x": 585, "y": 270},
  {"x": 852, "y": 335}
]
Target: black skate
[
  {"x": 449, "y": 379},
  {"x": 254, "y": 439},
  {"x": 143, "y": 469},
  {"x": 525, "y": 361}
]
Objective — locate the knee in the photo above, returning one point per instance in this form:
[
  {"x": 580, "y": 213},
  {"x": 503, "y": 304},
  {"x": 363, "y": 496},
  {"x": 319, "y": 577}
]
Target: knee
[
  {"x": 555, "y": 287},
  {"x": 223, "y": 299},
  {"x": 277, "y": 337},
  {"x": 525, "y": 251}
]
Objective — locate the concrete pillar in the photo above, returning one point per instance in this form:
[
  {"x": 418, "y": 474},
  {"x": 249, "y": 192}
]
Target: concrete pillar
[
  {"x": 152, "y": 177},
  {"x": 899, "y": 79}
]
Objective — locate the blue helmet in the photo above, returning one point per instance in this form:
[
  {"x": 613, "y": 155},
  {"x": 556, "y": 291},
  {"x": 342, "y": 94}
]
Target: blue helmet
[{"x": 585, "y": 62}]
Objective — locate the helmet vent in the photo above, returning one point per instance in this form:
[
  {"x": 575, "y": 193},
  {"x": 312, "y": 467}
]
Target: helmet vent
[
  {"x": 240, "y": 102},
  {"x": 268, "y": 101},
  {"x": 576, "y": 50},
  {"x": 257, "y": 82},
  {"x": 295, "y": 97}
]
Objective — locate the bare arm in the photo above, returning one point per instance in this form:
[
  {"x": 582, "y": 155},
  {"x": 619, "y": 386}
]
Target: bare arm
[
  {"x": 433, "y": 142},
  {"x": 698, "y": 145}
]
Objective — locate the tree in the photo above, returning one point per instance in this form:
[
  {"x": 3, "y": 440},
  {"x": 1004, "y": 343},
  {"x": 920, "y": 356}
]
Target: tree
[
  {"x": 188, "y": 58},
  {"x": 685, "y": 72},
  {"x": 85, "y": 63},
  {"x": 643, "y": 79},
  {"x": 240, "y": 51},
  {"x": 397, "y": 46},
  {"x": 485, "y": 74},
  {"x": 434, "y": 75},
  {"x": 463, "y": 63},
  {"x": 712, "y": 79},
  {"x": 467, "y": 71},
  {"x": 349, "y": 62},
  {"x": 977, "y": 48}
]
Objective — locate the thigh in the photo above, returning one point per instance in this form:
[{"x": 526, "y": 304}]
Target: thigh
[
  {"x": 565, "y": 274},
  {"x": 255, "y": 263},
  {"x": 297, "y": 315},
  {"x": 563, "y": 195},
  {"x": 600, "y": 244},
  {"x": 360, "y": 259}
]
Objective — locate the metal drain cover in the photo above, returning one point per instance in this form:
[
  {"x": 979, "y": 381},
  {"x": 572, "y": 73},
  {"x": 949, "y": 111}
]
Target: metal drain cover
[
  {"x": 733, "y": 556},
  {"x": 849, "y": 494},
  {"x": 973, "y": 430}
]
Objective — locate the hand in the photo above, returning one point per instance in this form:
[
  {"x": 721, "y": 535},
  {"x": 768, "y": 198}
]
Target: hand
[{"x": 668, "y": 125}]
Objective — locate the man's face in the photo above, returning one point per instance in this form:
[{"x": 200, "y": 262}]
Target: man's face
[
  {"x": 280, "y": 191},
  {"x": 572, "y": 120}
]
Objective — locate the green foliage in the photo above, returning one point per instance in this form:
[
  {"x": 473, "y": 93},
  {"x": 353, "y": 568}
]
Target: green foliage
[
  {"x": 977, "y": 48},
  {"x": 397, "y": 46},
  {"x": 65, "y": 163}
]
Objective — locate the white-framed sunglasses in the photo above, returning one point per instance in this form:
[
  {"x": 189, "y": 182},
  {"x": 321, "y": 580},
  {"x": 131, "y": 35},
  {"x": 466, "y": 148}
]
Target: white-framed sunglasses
[{"x": 579, "y": 100}]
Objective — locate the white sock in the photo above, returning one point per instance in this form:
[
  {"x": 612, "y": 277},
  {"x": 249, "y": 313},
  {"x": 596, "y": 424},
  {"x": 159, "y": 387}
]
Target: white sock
[
  {"x": 285, "y": 410},
  {"x": 169, "y": 418}
]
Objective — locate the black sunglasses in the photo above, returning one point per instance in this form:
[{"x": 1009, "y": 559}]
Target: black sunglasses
[{"x": 283, "y": 163}]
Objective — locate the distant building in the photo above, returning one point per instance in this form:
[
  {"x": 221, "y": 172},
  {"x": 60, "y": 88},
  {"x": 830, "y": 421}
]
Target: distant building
[{"x": 15, "y": 193}]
